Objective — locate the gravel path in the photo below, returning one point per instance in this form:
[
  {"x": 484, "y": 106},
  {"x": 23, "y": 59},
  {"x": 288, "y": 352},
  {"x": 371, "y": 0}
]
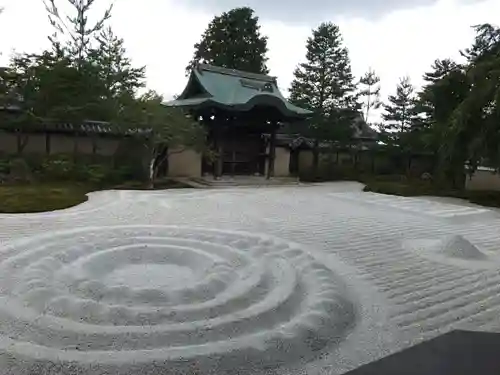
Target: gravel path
[{"x": 282, "y": 280}]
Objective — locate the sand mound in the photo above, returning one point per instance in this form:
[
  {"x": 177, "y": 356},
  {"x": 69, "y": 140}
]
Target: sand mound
[{"x": 456, "y": 246}]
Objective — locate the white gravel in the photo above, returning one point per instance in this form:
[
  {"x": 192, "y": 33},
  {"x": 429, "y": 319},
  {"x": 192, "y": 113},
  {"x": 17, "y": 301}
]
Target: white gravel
[{"x": 280, "y": 280}]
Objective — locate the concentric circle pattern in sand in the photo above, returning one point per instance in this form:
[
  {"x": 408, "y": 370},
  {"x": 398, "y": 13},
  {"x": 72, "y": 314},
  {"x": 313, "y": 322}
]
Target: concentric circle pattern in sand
[{"x": 161, "y": 299}]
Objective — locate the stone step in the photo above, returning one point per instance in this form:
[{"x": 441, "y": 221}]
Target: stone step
[{"x": 243, "y": 181}]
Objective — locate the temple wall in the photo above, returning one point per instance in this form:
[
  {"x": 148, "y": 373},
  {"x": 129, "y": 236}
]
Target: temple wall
[
  {"x": 184, "y": 163},
  {"x": 483, "y": 179},
  {"x": 106, "y": 146},
  {"x": 282, "y": 162},
  {"x": 36, "y": 143},
  {"x": 305, "y": 160},
  {"x": 8, "y": 143}
]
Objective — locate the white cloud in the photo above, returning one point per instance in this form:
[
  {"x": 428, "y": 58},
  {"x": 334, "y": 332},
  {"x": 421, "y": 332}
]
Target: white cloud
[{"x": 161, "y": 35}]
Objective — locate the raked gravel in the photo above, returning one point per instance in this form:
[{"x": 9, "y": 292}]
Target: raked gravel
[{"x": 279, "y": 280}]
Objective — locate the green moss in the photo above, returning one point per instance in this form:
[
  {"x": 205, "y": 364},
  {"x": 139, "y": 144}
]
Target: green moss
[
  {"x": 25, "y": 198},
  {"x": 40, "y": 198}
]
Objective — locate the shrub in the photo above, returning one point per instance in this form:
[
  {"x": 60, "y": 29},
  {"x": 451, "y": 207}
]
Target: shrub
[
  {"x": 420, "y": 188},
  {"x": 4, "y": 166},
  {"x": 19, "y": 171},
  {"x": 330, "y": 172},
  {"x": 59, "y": 169},
  {"x": 401, "y": 188}
]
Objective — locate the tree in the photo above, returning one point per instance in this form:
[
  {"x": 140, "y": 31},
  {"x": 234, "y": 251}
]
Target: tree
[
  {"x": 476, "y": 119},
  {"x": 445, "y": 88},
  {"x": 370, "y": 93},
  {"x": 166, "y": 130},
  {"x": 78, "y": 32},
  {"x": 233, "y": 40},
  {"x": 48, "y": 86},
  {"x": 399, "y": 113},
  {"x": 119, "y": 77},
  {"x": 99, "y": 57},
  {"x": 325, "y": 85}
]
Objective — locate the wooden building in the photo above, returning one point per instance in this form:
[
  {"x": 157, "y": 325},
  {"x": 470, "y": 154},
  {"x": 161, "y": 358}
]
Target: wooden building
[{"x": 238, "y": 109}]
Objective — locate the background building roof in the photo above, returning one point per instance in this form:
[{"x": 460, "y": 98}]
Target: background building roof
[{"x": 234, "y": 90}]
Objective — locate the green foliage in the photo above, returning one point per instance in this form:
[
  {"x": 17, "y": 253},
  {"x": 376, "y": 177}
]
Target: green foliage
[
  {"x": 4, "y": 166},
  {"x": 165, "y": 129},
  {"x": 401, "y": 187},
  {"x": 65, "y": 168},
  {"x": 19, "y": 171},
  {"x": 233, "y": 40},
  {"x": 325, "y": 85},
  {"x": 330, "y": 172},
  {"x": 458, "y": 109},
  {"x": 53, "y": 88},
  {"x": 477, "y": 118},
  {"x": 165, "y": 126},
  {"x": 446, "y": 88},
  {"x": 59, "y": 169}
]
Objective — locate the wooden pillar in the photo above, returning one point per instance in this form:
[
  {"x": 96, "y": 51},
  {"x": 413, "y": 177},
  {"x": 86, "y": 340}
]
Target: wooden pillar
[
  {"x": 233, "y": 162},
  {"x": 219, "y": 162},
  {"x": 272, "y": 154}
]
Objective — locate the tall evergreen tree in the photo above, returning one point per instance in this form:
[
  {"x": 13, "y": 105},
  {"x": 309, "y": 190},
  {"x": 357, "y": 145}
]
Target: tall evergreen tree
[
  {"x": 120, "y": 79},
  {"x": 399, "y": 115},
  {"x": 445, "y": 89},
  {"x": 477, "y": 118},
  {"x": 370, "y": 93},
  {"x": 325, "y": 85},
  {"x": 75, "y": 27},
  {"x": 116, "y": 67},
  {"x": 233, "y": 40}
]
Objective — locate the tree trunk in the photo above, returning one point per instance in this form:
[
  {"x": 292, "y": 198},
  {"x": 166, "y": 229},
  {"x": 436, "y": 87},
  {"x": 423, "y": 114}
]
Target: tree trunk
[
  {"x": 22, "y": 141},
  {"x": 152, "y": 172}
]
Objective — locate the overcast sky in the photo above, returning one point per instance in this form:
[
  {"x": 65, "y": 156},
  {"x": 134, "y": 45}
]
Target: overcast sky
[{"x": 395, "y": 37}]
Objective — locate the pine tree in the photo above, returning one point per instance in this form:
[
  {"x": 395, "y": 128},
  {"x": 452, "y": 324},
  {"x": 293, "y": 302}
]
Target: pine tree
[
  {"x": 400, "y": 111},
  {"x": 79, "y": 35},
  {"x": 233, "y": 40},
  {"x": 445, "y": 88},
  {"x": 116, "y": 68},
  {"x": 120, "y": 79},
  {"x": 325, "y": 85},
  {"x": 370, "y": 93}
]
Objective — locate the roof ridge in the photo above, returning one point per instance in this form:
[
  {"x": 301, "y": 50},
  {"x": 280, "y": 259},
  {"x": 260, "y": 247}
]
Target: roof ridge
[{"x": 236, "y": 73}]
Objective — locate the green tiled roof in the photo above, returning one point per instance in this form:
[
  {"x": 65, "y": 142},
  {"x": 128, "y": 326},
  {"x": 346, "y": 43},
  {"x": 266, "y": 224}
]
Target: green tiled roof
[{"x": 211, "y": 86}]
